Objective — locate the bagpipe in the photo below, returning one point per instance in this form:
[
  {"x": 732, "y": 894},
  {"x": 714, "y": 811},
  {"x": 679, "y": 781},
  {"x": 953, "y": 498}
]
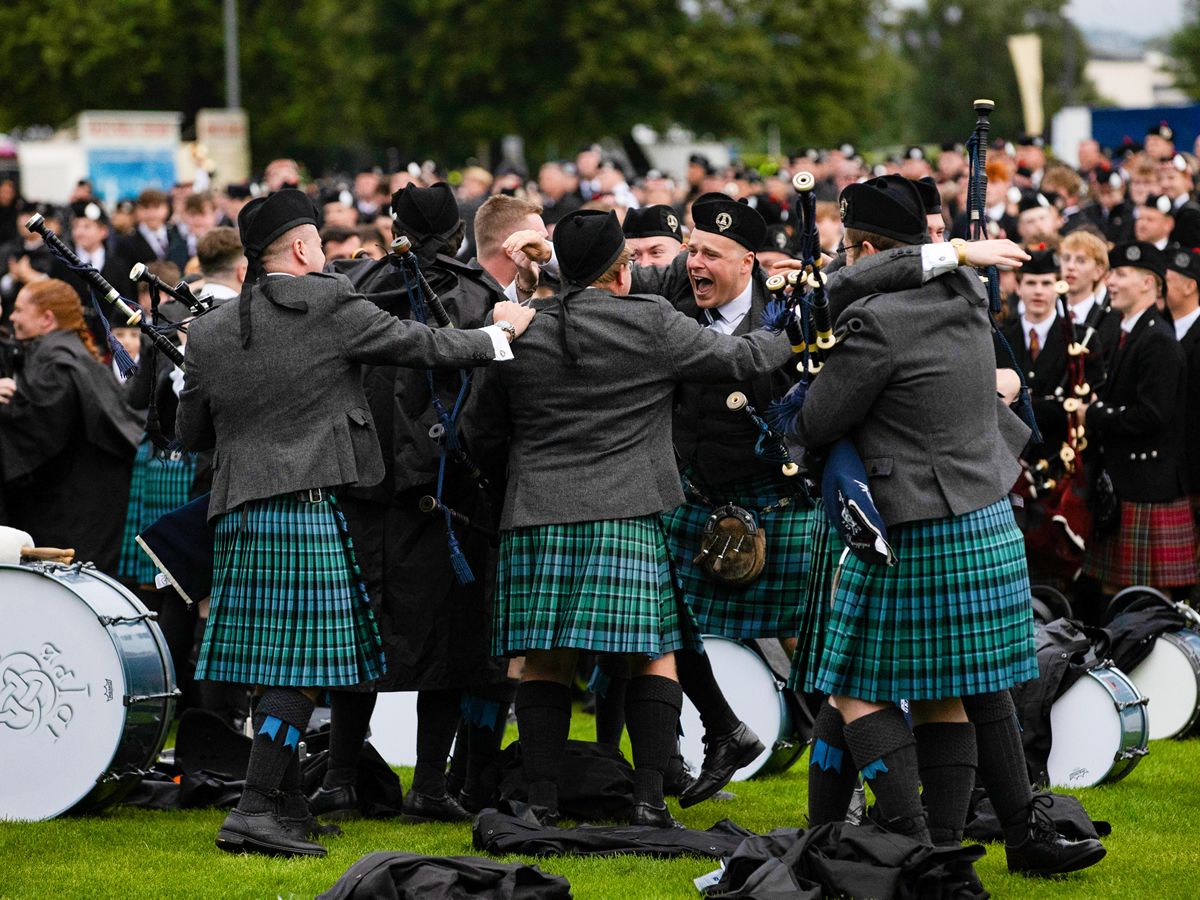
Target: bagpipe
[
  {"x": 96, "y": 282},
  {"x": 802, "y": 305},
  {"x": 1059, "y": 522}
]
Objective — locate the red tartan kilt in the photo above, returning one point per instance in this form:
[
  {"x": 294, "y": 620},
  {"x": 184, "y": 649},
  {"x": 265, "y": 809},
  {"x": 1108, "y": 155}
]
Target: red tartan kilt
[{"x": 1155, "y": 545}]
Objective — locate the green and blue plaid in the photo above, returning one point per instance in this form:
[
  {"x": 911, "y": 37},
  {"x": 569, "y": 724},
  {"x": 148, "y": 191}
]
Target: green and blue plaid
[
  {"x": 160, "y": 485},
  {"x": 289, "y": 608},
  {"x": 773, "y": 605},
  {"x": 952, "y": 618},
  {"x": 605, "y": 586}
]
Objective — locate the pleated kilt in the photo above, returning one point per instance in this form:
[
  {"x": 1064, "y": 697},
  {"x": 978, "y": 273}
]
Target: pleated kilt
[
  {"x": 1155, "y": 545},
  {"x": 605, "y": 586},
  {"x": 952, "y": 618},
  {"x": 162, "y": 485},
  {"x": 289, "y": 608},
  {"x": 826, "y": 552},
  {"x": 772, "y": 606},
  {"x": 134, "y": 564}
]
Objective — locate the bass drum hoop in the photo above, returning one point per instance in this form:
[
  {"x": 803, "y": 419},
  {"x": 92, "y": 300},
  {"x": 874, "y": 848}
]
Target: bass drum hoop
[
  {"x": 1186, "y": 642},
  {"x": 1132, "y": 724}
]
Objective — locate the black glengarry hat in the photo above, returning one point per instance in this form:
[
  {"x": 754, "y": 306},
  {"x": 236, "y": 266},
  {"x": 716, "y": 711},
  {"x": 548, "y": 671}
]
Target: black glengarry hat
[
  {"x": 424, "y": 211},
  {"x": 776, "y": 239},
  {"x": 264, "y": 219},
  {"x": 890, "y": 206},
  {"x": 731, "y": 219},
  {"x": 587, "y": 242},
  {"x": 1139, "y": 255},
  {"x": 930, "y": 195},
  {"x": 659, "y": 220},
  {"x": 1184, "y": 260},
  {"x": 1041, "y": 262}
]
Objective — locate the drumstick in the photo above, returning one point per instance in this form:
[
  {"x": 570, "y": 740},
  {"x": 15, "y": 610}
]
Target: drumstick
[{"x": 50, "y": 554}]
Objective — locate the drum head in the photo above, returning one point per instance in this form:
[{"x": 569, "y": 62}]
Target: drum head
[
  {"x": 62, "y": 687},
  {"x": 750, "y": 687},
  {"x": 1085, "y": 733},
  {"x": 394, "y": 727},
  {"x": 1170, "y": 678}
]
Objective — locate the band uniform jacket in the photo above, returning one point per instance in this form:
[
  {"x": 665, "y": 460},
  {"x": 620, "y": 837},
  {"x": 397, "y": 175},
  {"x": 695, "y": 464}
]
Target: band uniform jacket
[
  {"x": 914, "y": 386},
  {"x": 717, "y": 442},
  {"x": 1191, "y": 351},
  {"x": 1138, "y": 417},
  {"x": 288, "y": 413},
  {"x": 135, "y": 248},
  {"x": 593, "y": 441},
  {"x": 1047, "y": 380}
]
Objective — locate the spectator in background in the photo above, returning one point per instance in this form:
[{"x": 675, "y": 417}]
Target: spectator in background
[
  {"x": 558, "y": 191},
  {"x": 200, "y": 217},
  {"x": 123, "y": 220},
  {"x": 231, "y": 202},
  {"x": 27, "y": 259},
  {"x": 10, "y": 207},
  {"x": 339, "y": 242},
  {"x": 154, "y": 239},
  {"x": 222, "y": 264},
  {"x": 374, "y": 242},
  {"x": 281, "y": 173}
]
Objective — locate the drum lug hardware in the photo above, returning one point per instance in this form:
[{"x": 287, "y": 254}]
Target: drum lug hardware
[
  {"x": 117, "y": 776},
  {"x": 108, "y": 621},
  {"x": 1140, "y": 701},
  {"x": 783, "y": 744},
  {"x": 138, "y": 698}
]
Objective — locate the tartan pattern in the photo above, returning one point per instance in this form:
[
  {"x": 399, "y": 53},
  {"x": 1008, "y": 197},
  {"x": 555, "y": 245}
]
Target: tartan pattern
[
  {"x": 826, "y": 551},
  {"x": 1155, "y": 545},
  {"x": 772, "y": 606},
  {"x": 605, "y": 586},
  {"x": 289, "y": 608},
  {"x": 133, "y": 564},
  {"x": 952, "y": 618},
  {"x": 162, "y": 485}
]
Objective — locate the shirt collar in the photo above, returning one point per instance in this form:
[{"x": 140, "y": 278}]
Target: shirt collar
[
  {"x": 1127, "y": 325},
  {"x": 1042, "y": 329},
  {"x": 1079, "y": 312},
  {"x": 735, "y": 310},
  {"x": 1183, "y": 323}
]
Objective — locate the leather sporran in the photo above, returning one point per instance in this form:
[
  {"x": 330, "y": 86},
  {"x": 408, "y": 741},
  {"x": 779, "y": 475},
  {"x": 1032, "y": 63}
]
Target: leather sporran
[{"x": 733, "y": 547}]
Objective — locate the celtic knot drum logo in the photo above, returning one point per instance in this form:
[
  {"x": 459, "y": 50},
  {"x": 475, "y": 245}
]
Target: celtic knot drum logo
[{"x": 27, "y": 694}]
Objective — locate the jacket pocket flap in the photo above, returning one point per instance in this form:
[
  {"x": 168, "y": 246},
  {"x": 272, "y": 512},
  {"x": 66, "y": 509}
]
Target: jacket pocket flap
[
  {"x": 878, "y": 465},
  {"x": 359, "y": 416}
]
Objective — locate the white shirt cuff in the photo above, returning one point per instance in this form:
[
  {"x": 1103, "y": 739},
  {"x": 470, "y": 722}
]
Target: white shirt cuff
[
  {"x": 499, "y": 343},
  {"x": 937, "y": 259}
]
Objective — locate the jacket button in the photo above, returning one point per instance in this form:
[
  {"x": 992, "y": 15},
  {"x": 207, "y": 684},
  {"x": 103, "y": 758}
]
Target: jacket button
[
  {"x": 1133, "y": 456},
  {"x": 1154, "y": 454},
  {"x": 1143, "y": 456}
]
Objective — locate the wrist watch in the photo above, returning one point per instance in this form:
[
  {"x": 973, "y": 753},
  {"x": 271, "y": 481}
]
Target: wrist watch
[
  {"x": 960, "y": 247},
  {"x": 508, "y": 328}
]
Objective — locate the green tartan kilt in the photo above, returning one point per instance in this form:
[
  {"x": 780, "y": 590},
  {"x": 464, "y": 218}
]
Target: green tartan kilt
[
  {"x": 604, "y": 586},
  {"x": 952, "y": 618},
  {"x": 289, "y": 608},
  {"x": 773, "y": 605},
  {"x": 161, "y": 484},
  {"x": 827, "y": 550}
]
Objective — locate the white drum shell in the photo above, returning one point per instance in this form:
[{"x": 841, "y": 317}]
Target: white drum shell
[
  {"x": 73, "y": 733},
  {"x": 1098, "y": 730},
  {"x": 1170, "y": 678},
  {"x": 394, "y": 727}
]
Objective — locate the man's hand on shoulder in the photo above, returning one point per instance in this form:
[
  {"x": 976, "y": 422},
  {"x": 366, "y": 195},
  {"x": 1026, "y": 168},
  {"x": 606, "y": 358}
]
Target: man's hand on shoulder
[{"x": 517, "y": 315}]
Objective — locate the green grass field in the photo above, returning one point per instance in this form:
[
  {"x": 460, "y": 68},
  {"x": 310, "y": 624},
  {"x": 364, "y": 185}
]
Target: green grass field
[{"x": 1152, "y": 853}]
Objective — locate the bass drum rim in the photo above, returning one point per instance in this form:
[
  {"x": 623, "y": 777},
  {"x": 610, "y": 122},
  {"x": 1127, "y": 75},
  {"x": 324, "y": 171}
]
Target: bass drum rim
[
  {"x": 1132, "y": 742},
  {"x": 1191, "y": 654}
]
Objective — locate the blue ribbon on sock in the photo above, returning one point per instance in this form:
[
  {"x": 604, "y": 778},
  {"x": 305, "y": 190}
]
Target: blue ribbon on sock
[
  {"x": 479, "y": 712},
  {"x": 875, "y": 768},
  {"x": 270, "y": 726},
  {"x": 826, "y": 757},
  {"x": 293, "y": 737}
]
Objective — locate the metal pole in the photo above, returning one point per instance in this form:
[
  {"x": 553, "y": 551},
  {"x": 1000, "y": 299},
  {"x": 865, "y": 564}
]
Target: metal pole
[{"x": 233, "y": 85}]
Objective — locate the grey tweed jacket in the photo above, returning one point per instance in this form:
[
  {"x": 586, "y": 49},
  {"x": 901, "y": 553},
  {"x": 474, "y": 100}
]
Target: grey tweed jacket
[
  {"x": 594, "y": 442},
  {"x": 288, "y": 412},
  {"x": 914, "y": 385}
]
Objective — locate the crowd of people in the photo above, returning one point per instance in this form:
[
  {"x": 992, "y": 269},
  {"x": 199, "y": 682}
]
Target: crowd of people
[{"x": 399, "y": 507}]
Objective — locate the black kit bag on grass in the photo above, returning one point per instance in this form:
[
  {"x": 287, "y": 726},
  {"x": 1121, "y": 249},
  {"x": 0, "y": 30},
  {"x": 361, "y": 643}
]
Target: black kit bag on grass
[
  {"x": 388, "y": 875},
  {"x": 595, "y": 784}
]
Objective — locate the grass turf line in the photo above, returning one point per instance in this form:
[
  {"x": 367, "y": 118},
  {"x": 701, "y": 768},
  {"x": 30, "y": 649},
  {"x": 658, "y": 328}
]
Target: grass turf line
[{"x": 131, "y": 853}]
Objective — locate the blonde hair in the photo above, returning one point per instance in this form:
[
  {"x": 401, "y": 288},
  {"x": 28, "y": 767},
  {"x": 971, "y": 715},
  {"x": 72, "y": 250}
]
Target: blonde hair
[
  {"x": 497, "y": 218},
  {"x": 60, "y": 300},
  {"x": 1088, "y": 244}
]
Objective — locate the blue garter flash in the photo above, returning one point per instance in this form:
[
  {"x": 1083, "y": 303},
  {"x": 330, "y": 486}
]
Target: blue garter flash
[
  {"x": 875, "y": 768},
  {"x": 270, "y": 726},
  {"x": 826, "y": 757}
]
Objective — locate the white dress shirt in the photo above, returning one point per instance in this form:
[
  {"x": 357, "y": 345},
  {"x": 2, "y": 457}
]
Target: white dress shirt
[
  {"x": 1042, "y": 329},
  {"x": 727, "y": 317},
  {"x": 1183, "y": 323}
]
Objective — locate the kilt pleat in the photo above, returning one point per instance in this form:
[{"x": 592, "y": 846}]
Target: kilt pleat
[
  {"x": 162, "y": 485},
  {"x": 1155, "y": 545},
  {"x": 289, "y": 608},
  {"x": 772, "y": 605},
  {"x": 952, "y": 618},
  {"x": 605, "y": 586},
  {"x": 133, "y": 563},
  {"x": 826, "y": 551}
]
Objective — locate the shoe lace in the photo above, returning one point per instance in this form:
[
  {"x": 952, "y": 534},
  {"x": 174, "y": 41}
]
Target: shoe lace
[{"x": 1041, "y": 825}]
